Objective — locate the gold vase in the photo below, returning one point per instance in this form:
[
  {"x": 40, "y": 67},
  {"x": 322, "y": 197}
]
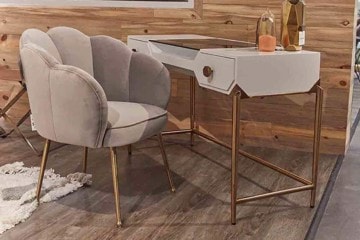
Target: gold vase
[{"x": 293, "y": 25}]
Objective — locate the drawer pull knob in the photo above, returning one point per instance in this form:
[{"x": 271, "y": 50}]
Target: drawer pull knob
[{"x": 207, "y": 71}]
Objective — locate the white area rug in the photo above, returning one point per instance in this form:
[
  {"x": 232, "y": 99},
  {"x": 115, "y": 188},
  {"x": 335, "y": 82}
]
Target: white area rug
[{"x": 18, "y": 190}]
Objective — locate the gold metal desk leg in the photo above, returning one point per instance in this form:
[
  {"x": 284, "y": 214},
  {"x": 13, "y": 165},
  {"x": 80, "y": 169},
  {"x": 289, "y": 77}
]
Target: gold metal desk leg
[
  {"x": 317, "y": 135},
  {"x": 234, "y": 153},
  {"x": 166, "y": 163},
  {"x": 192, "y": 109}
]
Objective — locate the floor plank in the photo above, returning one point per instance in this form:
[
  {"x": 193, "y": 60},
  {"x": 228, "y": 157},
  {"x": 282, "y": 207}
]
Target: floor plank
[{"x": 200, "y": 209}]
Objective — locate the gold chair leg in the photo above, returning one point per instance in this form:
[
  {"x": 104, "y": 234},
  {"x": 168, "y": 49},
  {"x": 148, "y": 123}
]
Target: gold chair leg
[
  {"x": 42, "y": 168},
  {"x": 129, "y": 147},
  {"x": 86, "y": 150},
  {"x": 114, "y": 167},
  {"x": 166, "y": 163},
  {"x": 317, "y": 136}
]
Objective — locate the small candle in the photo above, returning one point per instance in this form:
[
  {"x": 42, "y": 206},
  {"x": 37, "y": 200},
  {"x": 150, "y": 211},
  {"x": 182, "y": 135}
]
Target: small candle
[{"x": 267, "y": 43}]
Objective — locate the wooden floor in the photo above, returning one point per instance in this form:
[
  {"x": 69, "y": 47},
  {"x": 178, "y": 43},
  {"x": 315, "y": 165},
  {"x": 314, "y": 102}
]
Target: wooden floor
[{"x": 200, "y": 209}]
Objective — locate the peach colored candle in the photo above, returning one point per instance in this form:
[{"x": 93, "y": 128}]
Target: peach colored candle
[{"x": 267, "y": 43}]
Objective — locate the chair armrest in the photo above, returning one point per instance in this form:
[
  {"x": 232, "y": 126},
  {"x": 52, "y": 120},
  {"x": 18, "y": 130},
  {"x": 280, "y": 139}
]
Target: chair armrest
[
  {"x": 79, "y": 106},
  {"x": 68, "y": 105},
  {"x": 149, "y": 81}
]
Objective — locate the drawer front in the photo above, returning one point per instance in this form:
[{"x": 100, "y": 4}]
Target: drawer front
[
  {"x": 139, "y": 46},
  {"x": 215, "y": 72}
]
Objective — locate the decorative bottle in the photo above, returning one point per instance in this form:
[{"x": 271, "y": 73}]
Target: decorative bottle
[
  {"x": 293, "y": 25},
  {"x": 266, "y": 32}
]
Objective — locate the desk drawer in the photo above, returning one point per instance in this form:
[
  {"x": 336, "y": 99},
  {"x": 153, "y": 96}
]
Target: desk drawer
[
  {"x": 139, "y": 46},
  {"x": 215, "y": 72}
]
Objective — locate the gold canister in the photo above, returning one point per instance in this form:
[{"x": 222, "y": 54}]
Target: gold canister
[{"x": 293, "y": 25}]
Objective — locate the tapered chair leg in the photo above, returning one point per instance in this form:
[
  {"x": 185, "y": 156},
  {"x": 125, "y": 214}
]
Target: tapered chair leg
[
  {"x": 86, "y": 150},
  {"x": 166, "y": 164},
  {"x": 114, "y": 167},
  {"x": 42, "y": 168}
]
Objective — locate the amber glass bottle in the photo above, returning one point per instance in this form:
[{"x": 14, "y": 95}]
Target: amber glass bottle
[
  {"x": 266, "y": 32},
  {"x": 293, "y": 25}
]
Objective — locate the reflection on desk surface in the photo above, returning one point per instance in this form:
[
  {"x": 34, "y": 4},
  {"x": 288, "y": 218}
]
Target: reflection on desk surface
[{"x": 198, "y": 44}]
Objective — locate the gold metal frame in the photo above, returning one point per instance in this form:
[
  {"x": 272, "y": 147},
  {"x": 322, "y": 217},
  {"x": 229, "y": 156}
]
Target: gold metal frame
[
  {"x": 166, "y": 163},
  {"x": 42, "y": 168},
  {"x": 114, "y": 168},
  {"x": 3, "y": 113},
  {"x": 235, "y": 151}
]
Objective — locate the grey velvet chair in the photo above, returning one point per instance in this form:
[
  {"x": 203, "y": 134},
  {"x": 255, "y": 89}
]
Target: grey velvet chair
[{"x": 93, "y": 92}]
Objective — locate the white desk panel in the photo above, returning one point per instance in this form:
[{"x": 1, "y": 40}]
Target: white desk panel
[{"x": 256, "y": 73}]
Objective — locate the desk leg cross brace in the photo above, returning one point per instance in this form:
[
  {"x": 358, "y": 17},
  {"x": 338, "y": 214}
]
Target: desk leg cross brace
[
  {"x": 235, "y": 151},
  {"x": 308, "y": 185},
  {"x": 192, "y": 130}
]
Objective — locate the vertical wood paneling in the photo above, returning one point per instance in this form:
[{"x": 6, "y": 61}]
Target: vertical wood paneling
[{"x": 275, "y": 122}]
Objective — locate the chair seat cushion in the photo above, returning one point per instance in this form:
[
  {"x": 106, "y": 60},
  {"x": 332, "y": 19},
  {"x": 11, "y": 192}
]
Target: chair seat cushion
[{"x": 130, "y": 122}]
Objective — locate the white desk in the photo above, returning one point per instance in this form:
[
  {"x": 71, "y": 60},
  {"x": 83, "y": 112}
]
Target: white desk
[
  {"x": 256, "y": 73},
  {"x": 238, "y": 69}
]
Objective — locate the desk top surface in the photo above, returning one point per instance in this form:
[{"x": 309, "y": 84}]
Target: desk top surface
[{"x": 209, "y": 43}]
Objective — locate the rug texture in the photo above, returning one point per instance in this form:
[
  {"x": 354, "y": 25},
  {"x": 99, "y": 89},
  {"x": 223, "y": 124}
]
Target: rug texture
[{"x": 18, "y": 188}]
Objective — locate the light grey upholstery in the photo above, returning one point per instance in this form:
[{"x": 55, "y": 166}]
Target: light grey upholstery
[
  {"x": 38, "y": 37},
  {"x": 140, "y": 121},
  {"x": 68, "y": 105},
  {"x": 157, "y": 79},
  {"x": 92, "y": 91},
  {"x": 74, "y": 47},
  {"x": 108, "y": 54}
]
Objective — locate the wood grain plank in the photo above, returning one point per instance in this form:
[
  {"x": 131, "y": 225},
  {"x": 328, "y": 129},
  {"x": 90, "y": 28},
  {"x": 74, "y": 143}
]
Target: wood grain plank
[
  {"x": 329, "y": 30},
  {"x": 198, "y": 210}
]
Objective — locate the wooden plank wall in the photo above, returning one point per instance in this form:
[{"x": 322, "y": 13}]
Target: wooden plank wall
[{"x": 275, "y": 122}]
